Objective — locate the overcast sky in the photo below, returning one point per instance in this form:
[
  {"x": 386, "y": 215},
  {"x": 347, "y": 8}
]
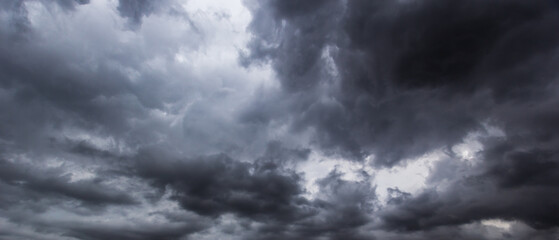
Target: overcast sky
[{"x": 279, "y": 119}]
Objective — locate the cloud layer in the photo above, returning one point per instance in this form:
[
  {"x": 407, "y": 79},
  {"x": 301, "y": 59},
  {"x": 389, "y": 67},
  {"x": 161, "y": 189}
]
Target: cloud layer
[{"x": 319, "y": 119}]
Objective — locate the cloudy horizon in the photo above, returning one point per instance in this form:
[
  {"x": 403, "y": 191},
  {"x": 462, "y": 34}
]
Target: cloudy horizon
[{"x": 279, "y": 119}]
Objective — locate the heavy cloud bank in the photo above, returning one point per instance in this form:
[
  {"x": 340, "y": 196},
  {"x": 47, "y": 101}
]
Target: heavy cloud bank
[{"x": 279, "y": 119}]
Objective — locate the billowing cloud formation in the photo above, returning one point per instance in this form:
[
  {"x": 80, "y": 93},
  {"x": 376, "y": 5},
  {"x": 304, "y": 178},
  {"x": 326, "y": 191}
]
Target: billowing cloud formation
[
  {"x": 279, "y": 119},
  {"x": 218, "y": 184},
  {"x": 396, "y": 79},
  {"x": 46, "y": 183},
  {"x": 393, "y": 80}
]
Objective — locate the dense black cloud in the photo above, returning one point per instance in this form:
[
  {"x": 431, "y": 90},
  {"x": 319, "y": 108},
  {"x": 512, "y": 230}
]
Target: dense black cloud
[
  {"x": 515, "y": 179},
  {"x": 264, "y": 191},
  {"x": 216, "y": 185},
  {"x": 405, "y": 77},
  {"x": 398, "y": 79},
  {"x": 473, "y": 199},
  {"x": 341, "y": 211},
  {"x": 440, "y": 44}
]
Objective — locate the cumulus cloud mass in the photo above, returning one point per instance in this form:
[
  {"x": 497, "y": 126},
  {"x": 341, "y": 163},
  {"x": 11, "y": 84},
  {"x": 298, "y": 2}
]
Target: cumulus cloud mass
[{"x": 279, "y": 119}]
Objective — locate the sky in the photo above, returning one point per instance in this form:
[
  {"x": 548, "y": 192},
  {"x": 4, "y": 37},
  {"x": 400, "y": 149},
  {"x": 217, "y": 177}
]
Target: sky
[{"x": 279, "y": 119}]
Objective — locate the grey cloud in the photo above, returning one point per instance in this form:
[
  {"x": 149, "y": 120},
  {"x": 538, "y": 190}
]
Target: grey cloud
[
  {"x": 180, "y": 147},
  {"x": 135, "y": 10},
  {"x": 18, "y": 22},
  {"x": 468, "y": 202},
  {"x": 476, "y": 38},
  {"x": 348, "y": 206},
  {"x": 49, "y": 229},
  {"x": 215, "y": 185},
  {"x": 86, "y": 149},
  {"x": 86, "y": 88},
  {"x": 298, "y": 46},
  {"x": 71, "y": 4},
  {"x": 396, "y": 196},
  {"x": 148, "y": 232},
  {"x": 76, "y": 107},
  {"x": 398, "y": 79},
  {"x": 473, "y": 231},
  {"x": 341, "y": 211},
  {"x": 263, "y": 191},
  {"x": 53, "y": 182},
  {"x": 407, "y": 78},
  {"x": 515, "y": 179}
]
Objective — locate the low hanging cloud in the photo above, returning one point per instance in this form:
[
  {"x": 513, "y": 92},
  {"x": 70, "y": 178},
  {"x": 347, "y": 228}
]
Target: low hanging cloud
[
  {"x": 394, "y": 80},
  {"x": 403, "y": 78},
  {"x": 279, "y": 119}
]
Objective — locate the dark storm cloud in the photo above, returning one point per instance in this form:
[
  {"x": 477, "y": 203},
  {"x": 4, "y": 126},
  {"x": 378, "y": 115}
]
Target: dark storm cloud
[
  {"x": 397, "y": 79},
  {"x": 301, "y": 43},
  {"x": 100, "y": 230},
  {"x": 348, "y": 205},
  {"x": 108, "y": 133},
  {"x": 472, "y": 232},
  {"x": 342, "y": 209},
  {"x": 475, "y": 38},
  {"x": 264, "y": 191},
  {"x": 516, "y": 179},
  {"x": 474, "y": 199},
  {"x": 408, "y": 76},
  {"x": 215, "y": 185}
]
